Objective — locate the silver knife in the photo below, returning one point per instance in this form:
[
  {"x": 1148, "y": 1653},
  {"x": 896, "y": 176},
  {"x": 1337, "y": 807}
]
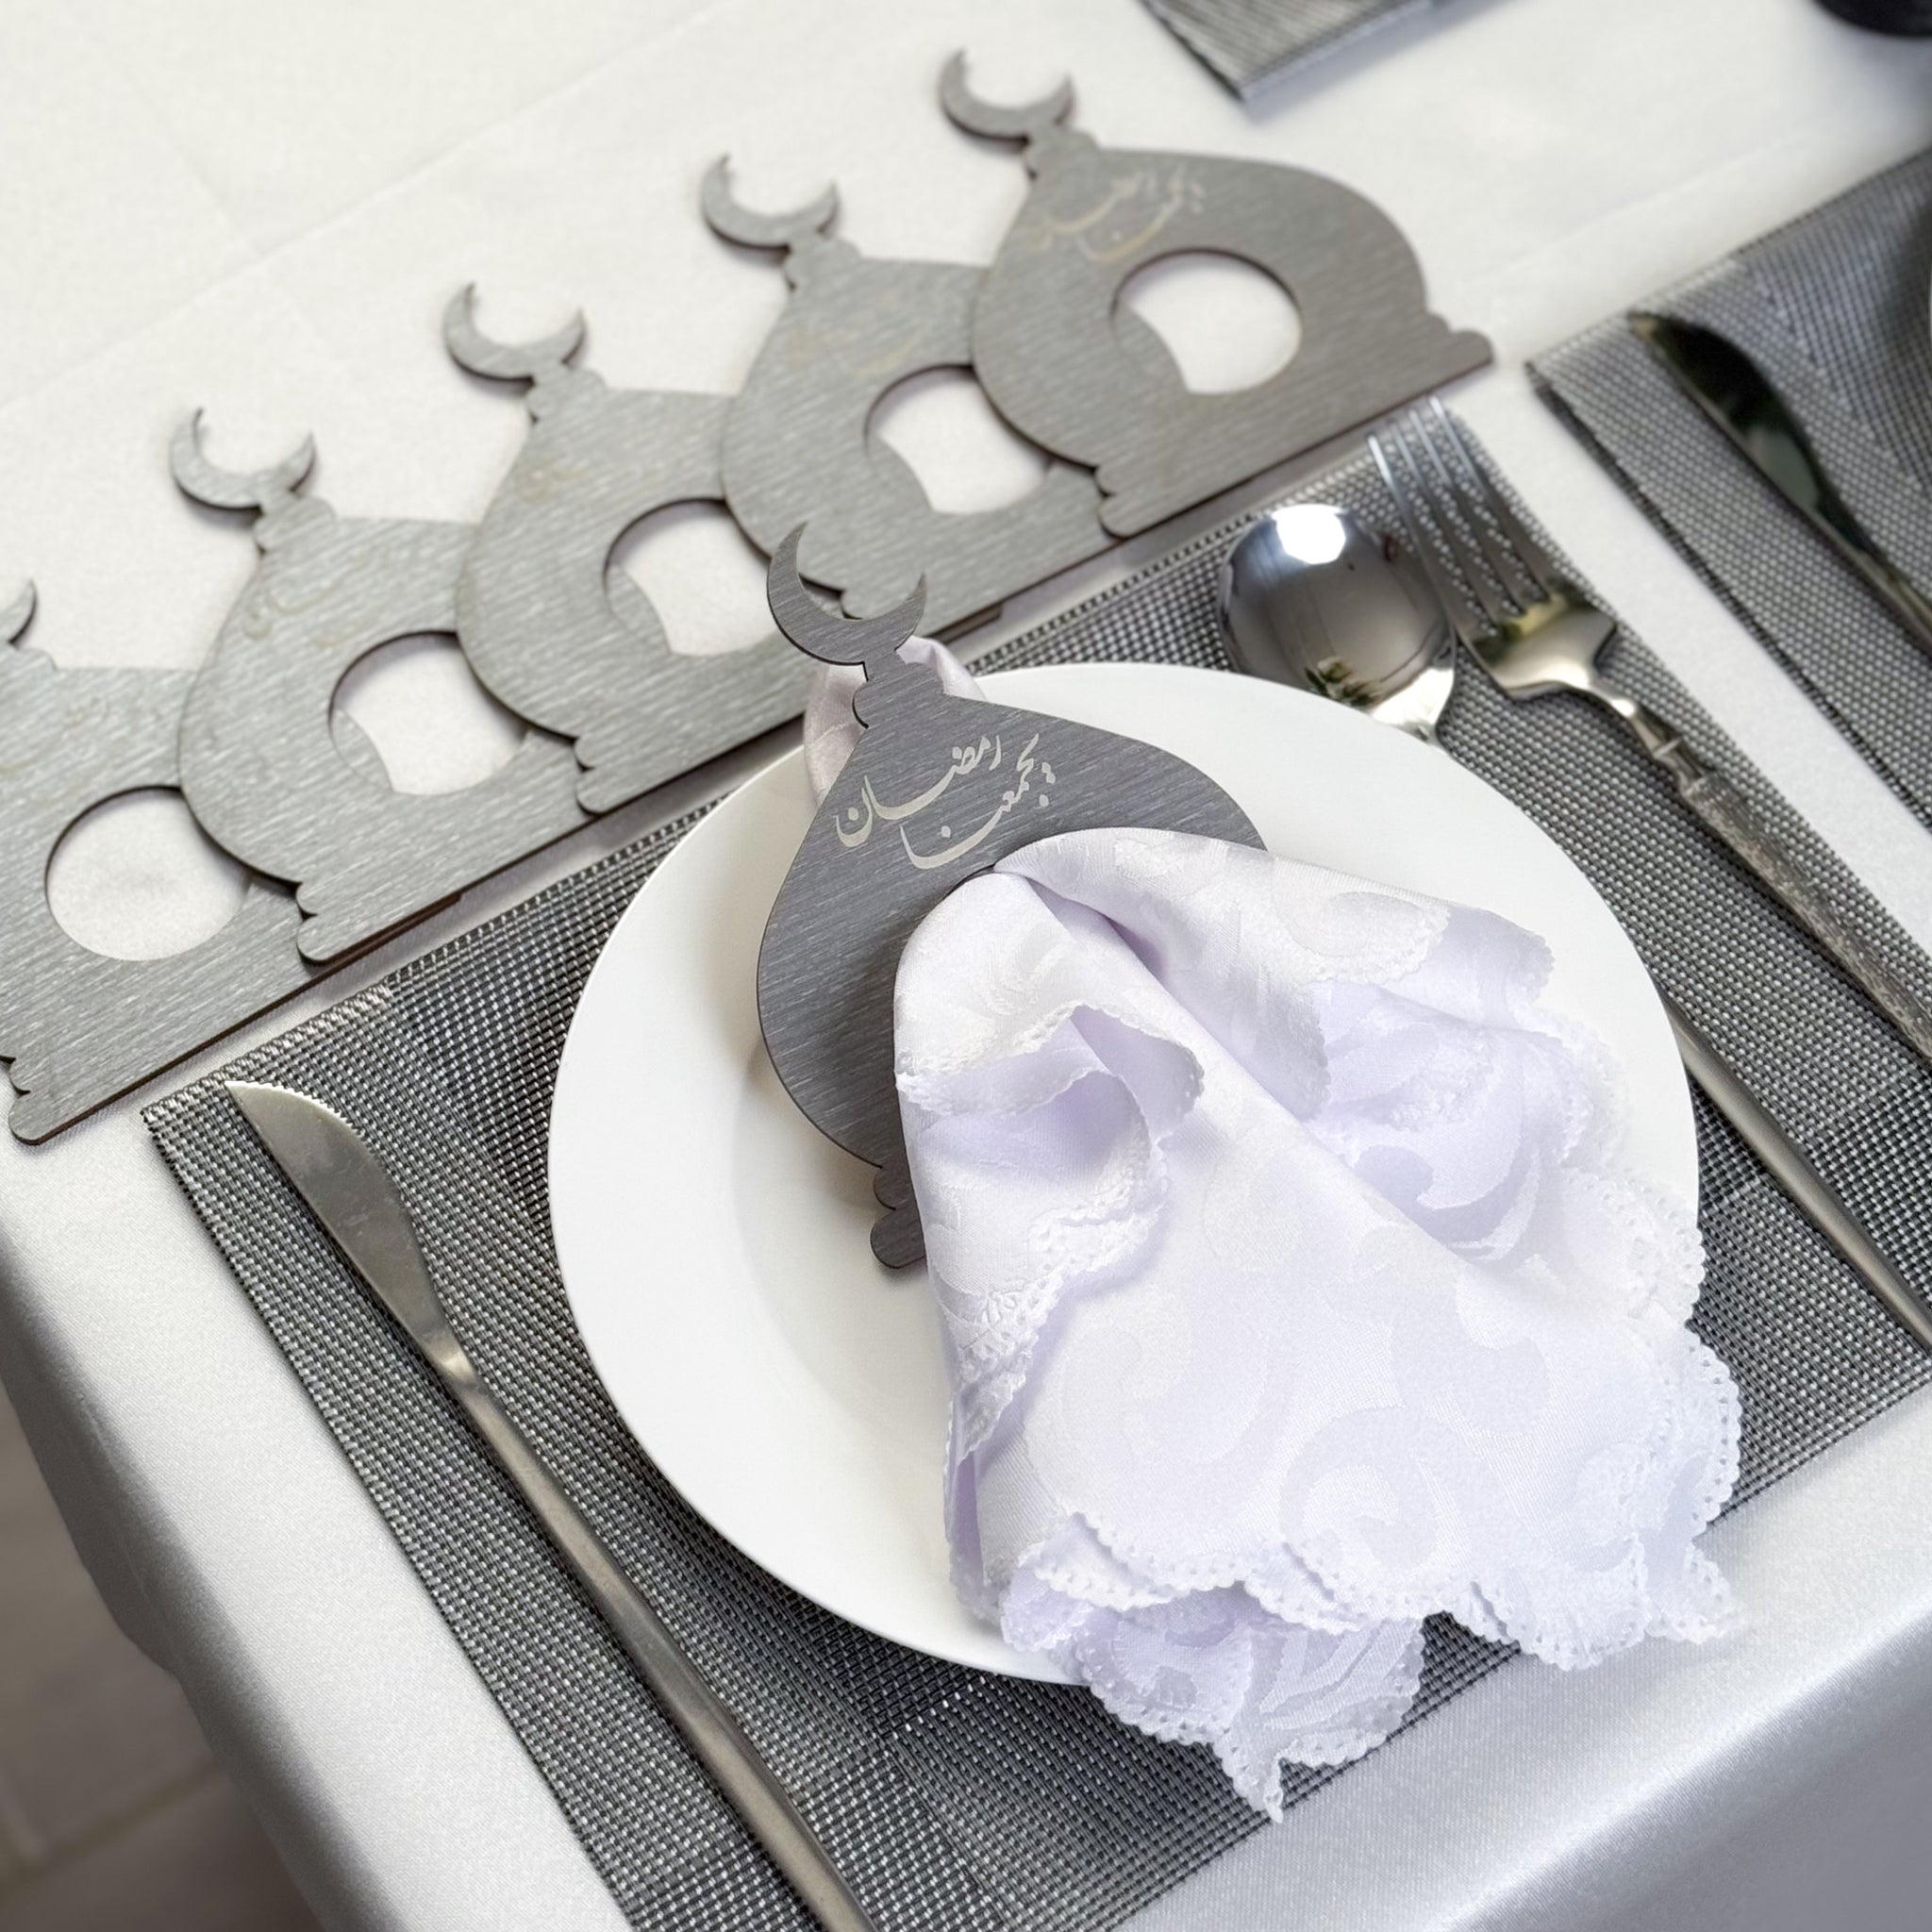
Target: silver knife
[
  {"x": 351, "y": 1194},
  {"x": 1738, "y": 397}
]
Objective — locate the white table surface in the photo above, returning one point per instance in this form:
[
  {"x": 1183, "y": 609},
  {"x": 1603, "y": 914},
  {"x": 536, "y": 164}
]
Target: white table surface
[{"x": 260, "y": 207}]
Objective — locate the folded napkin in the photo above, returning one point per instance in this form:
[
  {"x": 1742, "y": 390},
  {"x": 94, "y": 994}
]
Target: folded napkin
[{"x": 1292, "y": 1293}]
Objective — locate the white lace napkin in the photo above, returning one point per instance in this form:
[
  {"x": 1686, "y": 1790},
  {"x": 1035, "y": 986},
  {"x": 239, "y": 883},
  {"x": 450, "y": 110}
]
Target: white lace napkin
[{"x": 1292, "y": 1293}]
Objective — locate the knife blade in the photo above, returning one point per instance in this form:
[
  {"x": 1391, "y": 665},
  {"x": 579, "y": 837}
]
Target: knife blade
[
  {"x": 351, "y": 1193},
  {"x": 1737, "y": 395}
]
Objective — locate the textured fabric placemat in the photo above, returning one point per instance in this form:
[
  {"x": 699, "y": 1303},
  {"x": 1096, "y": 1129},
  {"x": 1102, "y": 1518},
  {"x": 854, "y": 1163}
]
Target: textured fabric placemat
[
  {"x": 1247, "y": 43},
  {"x": 956, "y": 1799},
  {"x": 1837, "y": 309}
]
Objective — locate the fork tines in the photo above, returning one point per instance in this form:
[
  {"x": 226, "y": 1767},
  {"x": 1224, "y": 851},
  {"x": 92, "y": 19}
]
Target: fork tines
[{"x": 1455, "y": 516}]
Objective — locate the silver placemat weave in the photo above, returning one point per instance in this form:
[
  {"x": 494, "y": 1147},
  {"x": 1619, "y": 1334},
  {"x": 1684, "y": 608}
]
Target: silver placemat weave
[
  {"x": 956, "y": 1799},
  {"x": 1834, "y": 309},
  {"x": 1247, "y": 43}
]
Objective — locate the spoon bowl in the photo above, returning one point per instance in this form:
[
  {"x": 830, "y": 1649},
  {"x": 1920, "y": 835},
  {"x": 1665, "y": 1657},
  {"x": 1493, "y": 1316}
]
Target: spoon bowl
[{"x": 1312, "y": 598}]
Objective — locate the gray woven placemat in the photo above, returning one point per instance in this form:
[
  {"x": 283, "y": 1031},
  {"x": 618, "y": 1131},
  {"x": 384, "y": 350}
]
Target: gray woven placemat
[
  {"x": 1247, "y": 43},
  {"x": 960, "y": 1800},
  {"x": 1833, "y": 308}
]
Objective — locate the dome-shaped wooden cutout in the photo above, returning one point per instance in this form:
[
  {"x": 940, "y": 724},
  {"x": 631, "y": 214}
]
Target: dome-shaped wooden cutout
[
  {"x": 263, "y": 768},
  {"x": 78, "y": 1027},
  {"x": 558, "y": 633},
  {"x": 1050, "y": 350},
  {"x": 799, "y": 446}
]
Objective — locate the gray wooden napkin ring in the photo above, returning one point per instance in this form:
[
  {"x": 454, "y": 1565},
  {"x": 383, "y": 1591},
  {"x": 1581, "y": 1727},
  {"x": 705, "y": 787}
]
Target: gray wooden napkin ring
[
  {"x": 77, "y": 1026},
  {"x": 799, "y": 448},
  {"x": 1049, "y": 351},
  {"x": 263, "y": 770},
  {"x": 553, "y": 629},
  {"x": 939, "y": 788}
]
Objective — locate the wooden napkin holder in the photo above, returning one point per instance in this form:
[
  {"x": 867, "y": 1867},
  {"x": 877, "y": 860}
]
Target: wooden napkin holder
[{"x": 939, "y": 789}]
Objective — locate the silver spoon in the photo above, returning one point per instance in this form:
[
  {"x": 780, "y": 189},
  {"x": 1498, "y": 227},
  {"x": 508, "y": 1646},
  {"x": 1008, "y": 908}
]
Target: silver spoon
[{"x": 1311, "y": 598}]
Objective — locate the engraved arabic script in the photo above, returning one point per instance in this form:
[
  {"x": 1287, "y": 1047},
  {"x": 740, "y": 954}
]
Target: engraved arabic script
[{"x": 1031, "y": 778}]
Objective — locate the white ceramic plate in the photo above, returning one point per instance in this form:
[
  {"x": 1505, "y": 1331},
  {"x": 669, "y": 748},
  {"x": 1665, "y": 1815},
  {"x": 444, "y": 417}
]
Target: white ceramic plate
[{"x": 714, "y": 1243}]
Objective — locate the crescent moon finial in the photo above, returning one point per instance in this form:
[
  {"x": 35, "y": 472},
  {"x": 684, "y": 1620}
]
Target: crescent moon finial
[
  {"x": 1026, "y": 122},
  {"x": 482, "y": 354},
  {"x": 752, "y": 227},
  {"x": 15, "y": 617},
  {"x": 872, "y": 642},
  {"x": 222, "y": 489}
]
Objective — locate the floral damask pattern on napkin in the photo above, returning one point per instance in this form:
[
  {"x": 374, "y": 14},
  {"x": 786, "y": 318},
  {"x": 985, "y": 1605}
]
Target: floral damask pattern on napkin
[{"x": 1292, "y": 1293}]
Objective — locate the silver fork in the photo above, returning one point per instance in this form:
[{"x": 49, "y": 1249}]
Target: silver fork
[{"x": 1534, "y": 632}]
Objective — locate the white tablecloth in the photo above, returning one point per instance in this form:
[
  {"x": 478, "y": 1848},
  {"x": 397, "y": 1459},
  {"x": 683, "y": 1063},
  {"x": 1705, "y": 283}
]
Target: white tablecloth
[{"x": 260, "y": 207}]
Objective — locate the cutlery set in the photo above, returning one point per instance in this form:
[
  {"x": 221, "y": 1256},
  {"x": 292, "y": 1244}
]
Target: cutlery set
[
  {"x": 1537, "y": 634},
  {"x": 1308, "y": 581}
]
